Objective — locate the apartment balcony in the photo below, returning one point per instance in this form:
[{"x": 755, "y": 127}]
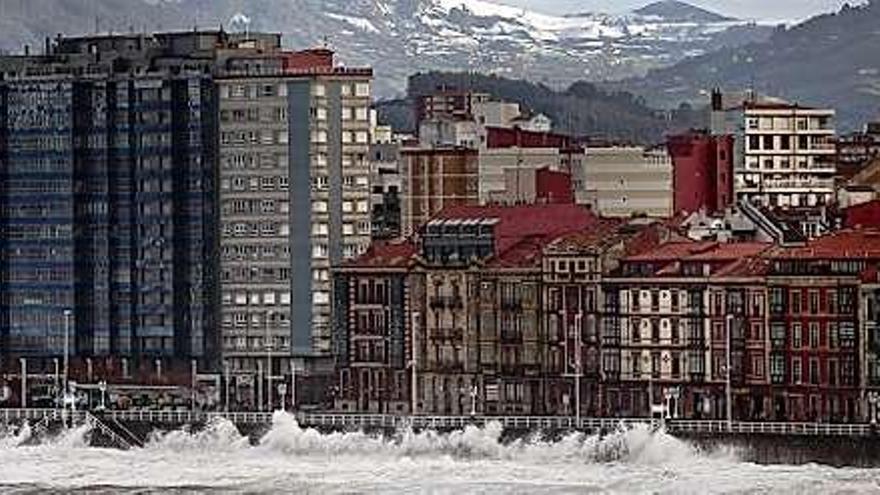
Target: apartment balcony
[
  {"x": 511, "y": 337},
  {"x": 446, "y": 302},
  {"x": 511, "y": 304},
  {"x": 788, "y": 185},
  {"x": 447, "y": 334}
]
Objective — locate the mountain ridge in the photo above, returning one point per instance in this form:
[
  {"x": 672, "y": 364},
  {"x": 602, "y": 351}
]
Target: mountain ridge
[
  {"x": 829, "y": 60},
  {"x": 399, "y": 37}
]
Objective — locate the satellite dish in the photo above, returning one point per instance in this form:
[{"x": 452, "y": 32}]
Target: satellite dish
[{"x": 5, "y": 393}]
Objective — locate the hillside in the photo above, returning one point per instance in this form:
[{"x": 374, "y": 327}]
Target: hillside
[
  {"x": 829, "y": 60},
  {"x": 582, "y": 109}
]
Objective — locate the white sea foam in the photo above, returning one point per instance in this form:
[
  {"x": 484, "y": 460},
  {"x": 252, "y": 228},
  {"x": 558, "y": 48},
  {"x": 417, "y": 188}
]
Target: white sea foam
[{"x": 289, "y": 458}]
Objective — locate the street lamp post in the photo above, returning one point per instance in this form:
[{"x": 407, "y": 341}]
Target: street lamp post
[
  {"x": 67, "y": 314},
  {"x": 474, "y": 400},
  {"x": 268, "y": 364},
  {"x": 258, "y": 384},
  {"x": 193, "y": 370},
  {"x": 23, "y": 363},
  {"x": 226, "y": 384},
  {"x": 282, "y": 392},
  {"x": 873, "y": 401},
  {"x": 413, "y": 365},
  {"x": 728, "y": 365},
  {"x": 292, "y": 385},
  {"x": 650, "y": 366},
  {"x": 578, "y": 368}
]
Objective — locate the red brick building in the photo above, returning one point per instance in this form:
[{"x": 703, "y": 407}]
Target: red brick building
[{"x": 702, "y": 175}]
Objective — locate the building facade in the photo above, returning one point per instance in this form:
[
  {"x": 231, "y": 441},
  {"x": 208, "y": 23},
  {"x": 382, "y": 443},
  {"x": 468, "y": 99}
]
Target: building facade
[
  {"x": 295, "y": 193},
  {"x": 434, "y": 179},
  {"x": 626, "y": 181},
  {"x": 788, "y": 156}
]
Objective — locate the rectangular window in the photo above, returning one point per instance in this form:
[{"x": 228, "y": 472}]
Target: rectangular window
[
  {"x": 796, "y": 371},
  {"x": 796, "y": 336},
  {"x": 777, "y": 368},
  {"x": 777, "y": 334},
  {"x": 758, "y": 366},
  {"x": 362, "y": 90},
  {"x": 814, "y": 335},
  {"x": 795, "y": 302},
  {"x": 814, "y": 371}
]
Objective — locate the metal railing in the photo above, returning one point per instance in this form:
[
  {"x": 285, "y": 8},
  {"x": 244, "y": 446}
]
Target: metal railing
[
  {"x": 114, "y": 437},
  {"x": 388, "y": 421}
]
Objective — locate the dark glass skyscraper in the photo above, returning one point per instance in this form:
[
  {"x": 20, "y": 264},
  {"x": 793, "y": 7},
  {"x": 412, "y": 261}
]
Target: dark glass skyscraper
[{"x": 108, "y": 200}]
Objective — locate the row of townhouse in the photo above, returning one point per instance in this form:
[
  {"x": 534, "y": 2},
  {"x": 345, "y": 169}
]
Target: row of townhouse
[{"x": 541, "y": 309}]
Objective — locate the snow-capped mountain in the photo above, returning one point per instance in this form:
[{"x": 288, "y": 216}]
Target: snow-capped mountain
[{"x": 400, "y": 37}]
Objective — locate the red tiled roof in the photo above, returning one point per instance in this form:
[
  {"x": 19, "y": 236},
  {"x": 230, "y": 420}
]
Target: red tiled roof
[
  {"x": 843, "y": 244},
  {"x": 745, "y": 267},
  {"x": 730, "y": 251},
  {"x": 394, "y": 254},
  {"x": 671, "y": 251},
  {"x": 605, "y": 230}
]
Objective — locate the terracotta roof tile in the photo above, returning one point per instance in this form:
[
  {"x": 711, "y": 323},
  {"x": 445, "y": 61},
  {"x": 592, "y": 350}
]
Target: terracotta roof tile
[
  {"x": 393, "y": 254},
  {"x": 843, "y": 244}
]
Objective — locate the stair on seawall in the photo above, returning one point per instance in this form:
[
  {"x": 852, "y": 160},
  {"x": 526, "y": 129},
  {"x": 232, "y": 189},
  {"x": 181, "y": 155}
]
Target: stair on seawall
[{"x": 117, "y": 433}]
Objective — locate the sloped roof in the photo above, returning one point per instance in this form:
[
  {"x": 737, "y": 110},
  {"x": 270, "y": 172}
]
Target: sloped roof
[
  {"x": 730, "y": 251},
  {"x": 841, "y": 245},
  {"x": 745, "y": 267},
  {"x": 672, "y": 251},
  {"x": 393, "y": 254}
]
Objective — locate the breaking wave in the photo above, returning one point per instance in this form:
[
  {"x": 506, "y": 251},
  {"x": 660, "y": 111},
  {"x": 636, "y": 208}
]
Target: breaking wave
[
  {"x": 637, "y": 445},
  {"x": 13, "y": 436}
]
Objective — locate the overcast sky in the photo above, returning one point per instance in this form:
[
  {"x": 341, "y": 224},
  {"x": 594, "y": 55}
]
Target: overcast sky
[{"x": 745, "y": 9}]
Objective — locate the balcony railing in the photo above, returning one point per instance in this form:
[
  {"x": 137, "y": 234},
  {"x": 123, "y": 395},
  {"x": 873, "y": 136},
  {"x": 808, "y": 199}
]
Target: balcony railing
[{"x": 450, "y": 302}]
